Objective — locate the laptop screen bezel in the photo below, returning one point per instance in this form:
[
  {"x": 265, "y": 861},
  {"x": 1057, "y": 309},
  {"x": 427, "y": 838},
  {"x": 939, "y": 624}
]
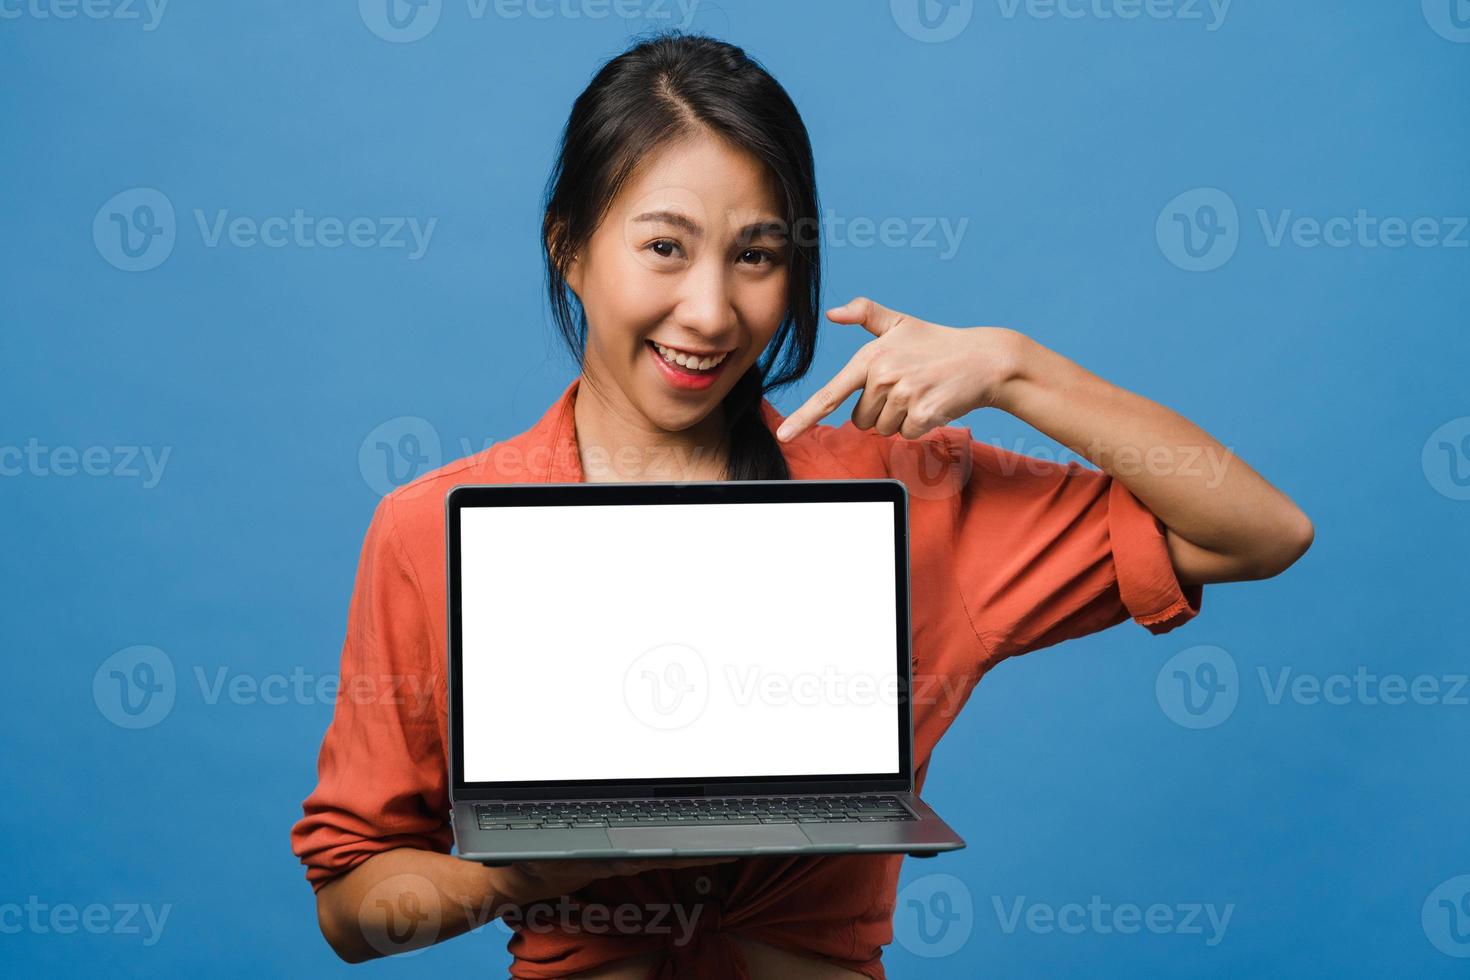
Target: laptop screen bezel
[{"x": 631, "y": 494}]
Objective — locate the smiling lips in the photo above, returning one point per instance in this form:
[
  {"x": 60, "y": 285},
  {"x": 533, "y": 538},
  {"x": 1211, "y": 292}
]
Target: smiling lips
[
  {"x": 692, "y": 362},
  {"x": 685, "y": 370}
]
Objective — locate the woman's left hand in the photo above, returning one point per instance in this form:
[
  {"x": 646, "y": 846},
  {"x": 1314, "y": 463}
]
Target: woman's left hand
[
  {"x": 914, "y": 375},
  {"x": 1223, "y": 522}
]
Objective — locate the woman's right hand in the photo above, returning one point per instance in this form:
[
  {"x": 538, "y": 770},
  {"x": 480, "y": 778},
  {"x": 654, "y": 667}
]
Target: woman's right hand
[
  {"x": 405, "y": 899},
  {"x": 533, "y": 881}
]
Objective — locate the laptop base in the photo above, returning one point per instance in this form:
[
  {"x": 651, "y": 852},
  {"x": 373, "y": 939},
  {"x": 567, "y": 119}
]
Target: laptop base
[{"x": 921, "y": 834}]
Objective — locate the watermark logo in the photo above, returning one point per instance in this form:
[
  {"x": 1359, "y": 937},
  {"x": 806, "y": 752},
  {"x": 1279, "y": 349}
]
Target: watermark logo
[
  {"x": 564, "y": 915},
  {"x": 664, "y": 229},
  {"x": 662, "y": 219},
  {"x": 398, "y": 451},
  {"x": 1198, "y": 687},
  {"x": 834, "y": 686},
  {"x": 1446, "y": 917},
  {"x": 1446, "y": 459},
  {"x": 400, "y": 915},
  {"x": 649, "y": 13},
  {"x": 138, "y": 688},
  {"x": 135, "y": 230},
  {"x": 934, "y": 916},
  {"x": 932, "y": 21},
  {"x": 405, "y": 21},
  {"x": 667, "y": 687},
  {"x": 1199, "y": 230},
  {"x": 1210, "y": 462},
  {"x": 306, "y": 689},
  {"x": 400, "y": 21},
  {"x": 135, "y": 687},
  {"x": 1449, "y": 18},
  {"x": 927, "y": 469}
]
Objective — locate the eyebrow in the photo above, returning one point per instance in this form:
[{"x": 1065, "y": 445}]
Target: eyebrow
[{"x": 755, "y": 229}]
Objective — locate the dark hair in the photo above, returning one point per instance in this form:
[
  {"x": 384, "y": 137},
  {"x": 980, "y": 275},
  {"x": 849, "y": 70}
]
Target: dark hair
[{"x": 661, "y": 89}]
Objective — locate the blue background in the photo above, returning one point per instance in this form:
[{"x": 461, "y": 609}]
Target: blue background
[{"x": 1060, "y": 141}]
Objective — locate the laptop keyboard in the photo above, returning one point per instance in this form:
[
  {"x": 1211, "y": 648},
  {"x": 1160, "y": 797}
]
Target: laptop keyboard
[{"x": 691, "y": 812}]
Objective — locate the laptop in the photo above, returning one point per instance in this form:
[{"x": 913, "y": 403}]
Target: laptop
[{"x": 642, "y": 670}]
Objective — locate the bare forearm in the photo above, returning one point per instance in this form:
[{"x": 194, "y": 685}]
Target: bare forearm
[
  {"x": 403, "y": 899},
  {"x": 1225, "y": 520}
]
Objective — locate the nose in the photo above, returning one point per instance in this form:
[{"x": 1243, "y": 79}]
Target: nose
[{"x": 706, "y": 306}]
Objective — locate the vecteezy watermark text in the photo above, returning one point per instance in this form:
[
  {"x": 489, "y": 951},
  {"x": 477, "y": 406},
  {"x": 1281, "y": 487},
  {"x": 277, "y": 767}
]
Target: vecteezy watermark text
[
  {"x": 1210, "y": 13},
  {"x": 934, "y": 21},
  {"x": 124, "y": 462},
  {"x": 1101, "y": 918},
  {"x": 41, "y": 918},
  {"x": 136, "y": 230},
  {"x": 148, "y": 13},
  {"x": 941, "y": 233},
  {"x": 1210, "y": 462},
  {"x": 1201, "y": 229},
  {"x": 1200, "y": 687},
  {"x": 406, "y": 912},
  {"x": 137, "y": 687},
  {"x": 668, "y": 686},
  {"x": 307, "y": 231},
  {"x": 406, "y": 21}
]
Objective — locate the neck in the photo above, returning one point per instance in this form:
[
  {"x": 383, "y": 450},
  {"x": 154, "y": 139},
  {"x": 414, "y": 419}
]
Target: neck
[{"x": 617, "y": 444}]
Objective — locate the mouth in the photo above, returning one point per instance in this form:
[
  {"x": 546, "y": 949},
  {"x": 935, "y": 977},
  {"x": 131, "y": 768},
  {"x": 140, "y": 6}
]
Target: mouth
[{"x": 687, "y": 369}]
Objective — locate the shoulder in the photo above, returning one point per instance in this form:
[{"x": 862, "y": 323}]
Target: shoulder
[
  {"x": 866, "y": 452},
  {"x": 945, "y": 464},
  {"x": 846, "y": 451},
  {"x": 416, "y": 510}
]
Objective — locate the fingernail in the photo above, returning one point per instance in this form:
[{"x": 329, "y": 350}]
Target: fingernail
[{"x": 782, "y": 433}]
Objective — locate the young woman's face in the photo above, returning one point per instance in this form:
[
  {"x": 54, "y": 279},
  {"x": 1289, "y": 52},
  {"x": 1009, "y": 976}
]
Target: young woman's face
[{"x": 691, "y": 259}]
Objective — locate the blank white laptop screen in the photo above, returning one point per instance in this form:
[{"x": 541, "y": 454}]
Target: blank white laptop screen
[{"x": 678, "y": 641}]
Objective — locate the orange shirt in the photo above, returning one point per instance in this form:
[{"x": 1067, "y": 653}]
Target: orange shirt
[{"x": 1008, "y": 554}]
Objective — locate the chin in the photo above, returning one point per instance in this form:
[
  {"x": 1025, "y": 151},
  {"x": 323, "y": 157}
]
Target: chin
[{"x": 672, "y": 418}]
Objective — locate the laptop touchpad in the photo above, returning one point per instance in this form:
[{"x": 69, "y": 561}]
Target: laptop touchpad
[{"x": 663, "y": 838}]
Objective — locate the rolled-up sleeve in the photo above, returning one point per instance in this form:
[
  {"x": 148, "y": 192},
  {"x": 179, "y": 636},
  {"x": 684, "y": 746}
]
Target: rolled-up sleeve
[
  {"x": 381, "y": 779},
  {"x": 1048, "y": 551},
  {"x": 1148, "y": 586}
]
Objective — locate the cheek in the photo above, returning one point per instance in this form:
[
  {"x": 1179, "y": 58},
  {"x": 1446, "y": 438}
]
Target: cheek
[
  {"x": 763, "y": 306},
  {"x": 623, "y": 299}
]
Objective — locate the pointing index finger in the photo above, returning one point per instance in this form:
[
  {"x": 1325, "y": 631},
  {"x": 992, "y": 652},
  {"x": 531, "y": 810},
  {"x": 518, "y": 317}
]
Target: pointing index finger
[{"x": 826, "y": 399}]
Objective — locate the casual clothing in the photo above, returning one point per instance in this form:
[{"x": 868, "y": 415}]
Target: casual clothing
[{"x": 1008, "y": 554}]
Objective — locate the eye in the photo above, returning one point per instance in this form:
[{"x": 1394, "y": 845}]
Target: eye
[
  {"x": 664, "y": 248},
  {"x": 758, "y": 256}
]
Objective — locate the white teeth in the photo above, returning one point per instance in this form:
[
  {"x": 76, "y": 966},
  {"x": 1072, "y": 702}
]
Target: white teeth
[{"x": 688, "y": 361}]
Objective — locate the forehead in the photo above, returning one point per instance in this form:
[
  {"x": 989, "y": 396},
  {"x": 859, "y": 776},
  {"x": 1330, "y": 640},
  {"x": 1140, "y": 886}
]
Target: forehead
[{"x": 702, "y": 176}]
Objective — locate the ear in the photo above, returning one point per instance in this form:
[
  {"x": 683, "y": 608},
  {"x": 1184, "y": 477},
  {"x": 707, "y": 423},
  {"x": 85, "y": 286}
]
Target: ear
[
  {"x": 569, "y": 265},
  {"x": 572, "y": 272}
]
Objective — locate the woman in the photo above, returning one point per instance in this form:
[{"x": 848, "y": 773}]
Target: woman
[{"x": 683, "y": 268}]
